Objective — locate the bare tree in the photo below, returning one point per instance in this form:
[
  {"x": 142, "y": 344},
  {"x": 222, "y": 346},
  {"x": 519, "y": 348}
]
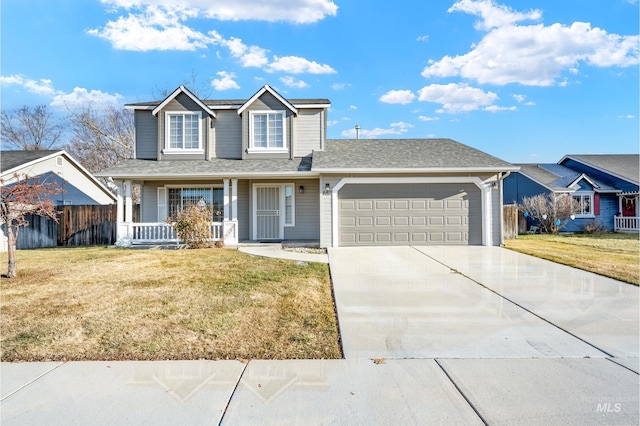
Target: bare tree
[
  {"x": 22, "y": 196},
  {"x": 551, "y": 211},
  {"x": 101, "y": 137},
  {"x": 203, "y": 90},
  {"x": 30, "y": 128}
]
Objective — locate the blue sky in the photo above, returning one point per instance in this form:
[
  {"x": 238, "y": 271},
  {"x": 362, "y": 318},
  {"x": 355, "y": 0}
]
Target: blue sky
[{"x": 526, "y": 81}]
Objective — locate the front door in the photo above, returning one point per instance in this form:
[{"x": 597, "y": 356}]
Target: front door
[
  {"x": 628, "y": 206},
  {"x": 268, "y": 225}
]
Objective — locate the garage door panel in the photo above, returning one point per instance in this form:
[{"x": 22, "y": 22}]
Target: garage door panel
[{"x": 404, "y": 214}]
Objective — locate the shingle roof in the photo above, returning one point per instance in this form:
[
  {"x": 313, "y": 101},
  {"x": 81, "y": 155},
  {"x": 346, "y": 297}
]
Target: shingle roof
[
  {"x": 623, "y": 165},
  {"x": 213, "y": 103},
  {"x": 557, "y": 177},
  {"x": 12, "y": 159},
  {"x": 151, "y": 169},
  {"x": 403, "y": 154}
]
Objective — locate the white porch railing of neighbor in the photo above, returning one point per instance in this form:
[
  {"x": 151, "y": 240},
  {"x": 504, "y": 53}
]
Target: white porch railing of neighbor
[{"x": 626, "y": 224}]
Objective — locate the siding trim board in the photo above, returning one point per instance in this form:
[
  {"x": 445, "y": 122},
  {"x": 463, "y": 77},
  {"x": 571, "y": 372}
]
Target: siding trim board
[{"x": 484, "y": 188}]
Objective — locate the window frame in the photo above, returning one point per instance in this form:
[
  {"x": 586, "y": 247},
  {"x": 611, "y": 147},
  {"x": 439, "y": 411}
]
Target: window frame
[
  {"x": 292, "y": 221},
  {"x": 580, "y": 197},
  {"x": 211, "y": 188},
  {"x": 275, "y": 150},
  {"x": 167, "y": 132}
]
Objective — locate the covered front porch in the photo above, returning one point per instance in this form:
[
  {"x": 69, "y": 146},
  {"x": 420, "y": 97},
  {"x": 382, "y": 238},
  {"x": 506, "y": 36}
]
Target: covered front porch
[
  {"x": 628, "y": 217},
  {"x": 149, "y": 233}
]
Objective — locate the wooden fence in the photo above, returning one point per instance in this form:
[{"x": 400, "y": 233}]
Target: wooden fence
[
  {"x": 514, "y": 222},
  {"x": 79, "y": 225}
]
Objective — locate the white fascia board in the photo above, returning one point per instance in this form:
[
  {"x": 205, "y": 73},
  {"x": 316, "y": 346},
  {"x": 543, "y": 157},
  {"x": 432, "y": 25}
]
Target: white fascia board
[
  {"x": 140, "y": 107},
  {"x": 219, "y": 175},
  {"x": 585, "y": 177},
  {"x": 429, "y": 170},
  {"x": 312, "y": 106},
  {"x": 267, "y": 88},
  {"x": 186, "y": 91}
]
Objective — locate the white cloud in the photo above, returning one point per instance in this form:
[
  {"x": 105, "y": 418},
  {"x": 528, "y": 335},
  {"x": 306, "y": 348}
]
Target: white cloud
[
  {"x": 296, "y": 11},
  {"x": 340, "y": 86},
  {"x": 398, "y": 128},
  {"x": 425, "y": 118},
  {"x": 423, "y": 38},
  {"x": 39, "y": 87},
  {"x": 298, "y": 65},
  {"x": 534, "y": 55},
  {"x": 154, "y": 29},
  {"x": 398, "y": 97},
  {"x": 353, "y": 107},
  {"x": 163, "y": 27},
  {"x": 456, "y": 97},
  {"x": 496, "y": 108},
  {"x": 292, "y": 82},
  {"x": 60, "y": 99},
  {"x": 493, "y": 15},
  {"x": 629, "y": 116},
  {"x": 332, "y": 122},
  {"x": 81, "y": 96},
  {"x": 521, "y": 100},
  {"x": 225, "y": 82}
]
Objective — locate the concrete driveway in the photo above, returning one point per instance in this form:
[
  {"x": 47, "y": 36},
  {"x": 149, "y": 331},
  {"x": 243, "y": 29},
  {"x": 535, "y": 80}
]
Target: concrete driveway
[{"x": 478, "y": 302}]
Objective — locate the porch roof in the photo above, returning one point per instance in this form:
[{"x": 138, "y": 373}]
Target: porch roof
[{"x": 214, "y": 168}]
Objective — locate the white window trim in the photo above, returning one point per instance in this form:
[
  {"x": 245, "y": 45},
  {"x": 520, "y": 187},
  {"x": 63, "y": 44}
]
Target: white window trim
[
  {"x": 293, "y": 205},
  {"x": 283, "y": 150},
  {"x": 167, "y": 149},
  {"x": 591, "y": 197}
]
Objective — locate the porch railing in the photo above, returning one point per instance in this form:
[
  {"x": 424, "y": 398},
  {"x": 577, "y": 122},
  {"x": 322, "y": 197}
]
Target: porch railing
[
  {"x": 162, "y": 233},
  {"x": 626, "y": 224}
]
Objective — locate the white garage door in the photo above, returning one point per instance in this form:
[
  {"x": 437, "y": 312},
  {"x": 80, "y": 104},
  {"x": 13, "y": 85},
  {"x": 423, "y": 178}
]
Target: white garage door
[{"x": 409, "y": 214}]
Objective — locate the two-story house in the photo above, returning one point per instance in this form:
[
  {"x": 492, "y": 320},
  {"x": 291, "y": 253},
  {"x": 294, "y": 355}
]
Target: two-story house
[{"x": 266, "y": 167}]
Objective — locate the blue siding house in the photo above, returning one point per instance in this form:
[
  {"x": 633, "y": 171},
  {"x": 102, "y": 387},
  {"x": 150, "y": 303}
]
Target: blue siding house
[{"x": 605, "y": 186}]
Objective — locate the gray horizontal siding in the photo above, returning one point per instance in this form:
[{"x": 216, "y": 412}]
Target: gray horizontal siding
[
  {"x": 307, "y": 212},
  {"x": 146, "y": 135},
  {"x": 308, "y": 132},
  {"x": 227, "y": 135}
]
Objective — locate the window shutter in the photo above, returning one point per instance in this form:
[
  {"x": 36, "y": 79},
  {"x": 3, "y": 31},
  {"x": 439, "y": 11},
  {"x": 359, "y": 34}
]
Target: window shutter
[
  {"x": 162, "y": 204},
  {"x": 596, "y": 204}
]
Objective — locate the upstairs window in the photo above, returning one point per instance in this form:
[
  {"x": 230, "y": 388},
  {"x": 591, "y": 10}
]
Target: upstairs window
[
  {"x": 183, "y": 132},
  {"x": 267, "y": 131}
]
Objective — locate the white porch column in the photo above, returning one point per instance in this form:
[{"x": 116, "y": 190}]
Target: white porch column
[
  {"x": 234, "y": 199},
  {"x": 120, "y": 232},
  {"x": 226, "y": 199},
  {"x": 230, "y": 224},
  {"x": 128, "y": 202}
]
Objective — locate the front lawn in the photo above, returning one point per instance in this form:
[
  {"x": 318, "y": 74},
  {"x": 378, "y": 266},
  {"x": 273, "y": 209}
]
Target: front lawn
[
  {"x": 613, "y": 255},
  {"x": 112, "y": 304}
]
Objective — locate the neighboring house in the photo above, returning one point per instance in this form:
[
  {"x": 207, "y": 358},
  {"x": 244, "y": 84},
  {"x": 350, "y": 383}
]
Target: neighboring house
[
  {"x": 604, "y": 186},
  {"x": 265, "y": 164},
  {"x": 79, "y": 186}
]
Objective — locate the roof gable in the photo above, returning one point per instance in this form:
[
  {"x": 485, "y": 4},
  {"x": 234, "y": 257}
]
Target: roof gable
[
  {"x": 621, "y": 166},
  {"x": 187, "y": 92},
  {"x": 263, "y": 90}
]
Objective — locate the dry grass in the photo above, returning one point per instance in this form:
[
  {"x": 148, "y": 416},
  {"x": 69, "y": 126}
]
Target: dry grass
[
  {"x": 112, "y": 304},
  {"x": 612, "y": 255}
]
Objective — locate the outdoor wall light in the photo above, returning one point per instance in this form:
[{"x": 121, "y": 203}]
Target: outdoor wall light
[
  {"x": 301, "y": 189},
  {"x": 327, "y": 188}
]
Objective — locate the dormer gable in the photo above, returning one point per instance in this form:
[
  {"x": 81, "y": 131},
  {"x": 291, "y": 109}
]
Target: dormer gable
[
  {"x": 187, "y": 92},
  {"x": 266, "y": 88}
]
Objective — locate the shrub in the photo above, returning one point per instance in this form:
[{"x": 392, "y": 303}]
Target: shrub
[
  {"x": 594, "y": 227},
  {"x": 551, "y": 211},
  {"x": 193, "y": 226}
]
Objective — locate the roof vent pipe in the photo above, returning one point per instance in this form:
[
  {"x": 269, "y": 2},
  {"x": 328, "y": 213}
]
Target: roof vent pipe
[{"x": 357, "y": 131}]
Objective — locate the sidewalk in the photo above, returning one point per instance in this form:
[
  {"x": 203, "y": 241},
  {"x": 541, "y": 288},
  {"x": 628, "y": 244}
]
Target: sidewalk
[{"x": 277, "y": 251}]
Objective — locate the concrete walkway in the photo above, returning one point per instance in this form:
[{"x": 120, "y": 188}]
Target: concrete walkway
[
  {"x": 277, "y": 251},
  {"x": 512, "y": 344}
]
